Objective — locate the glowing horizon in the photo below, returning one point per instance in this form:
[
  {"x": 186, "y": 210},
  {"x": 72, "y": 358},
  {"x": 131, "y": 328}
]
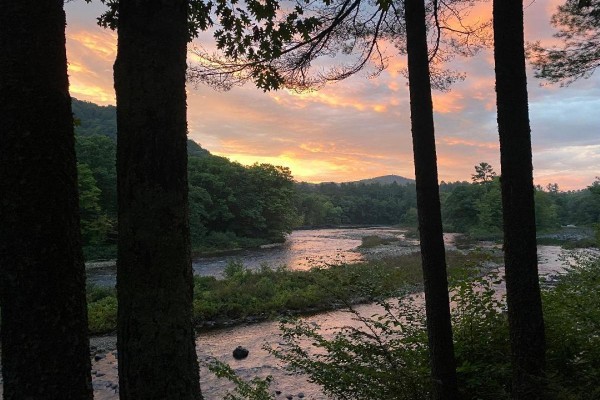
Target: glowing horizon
[{"x": 360, "y": 128}]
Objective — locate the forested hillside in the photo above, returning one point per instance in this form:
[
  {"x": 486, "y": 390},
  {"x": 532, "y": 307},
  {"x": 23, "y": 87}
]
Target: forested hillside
[{"x": 233, "y": 206}]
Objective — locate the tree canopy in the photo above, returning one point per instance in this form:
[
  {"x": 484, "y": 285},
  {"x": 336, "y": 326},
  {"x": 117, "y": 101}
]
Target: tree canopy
[{"x": 578, "y": 53}]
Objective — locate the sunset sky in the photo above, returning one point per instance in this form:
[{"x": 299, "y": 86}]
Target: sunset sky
[{"x": 360, "y": 128}]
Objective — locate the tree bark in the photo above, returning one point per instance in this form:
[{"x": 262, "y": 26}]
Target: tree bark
[
  {"x": 520, "y": 253},
  {"x": 157, "y": 357},
  {"x": 45, "y": 348},
  {"x": 437, "y": 304}
]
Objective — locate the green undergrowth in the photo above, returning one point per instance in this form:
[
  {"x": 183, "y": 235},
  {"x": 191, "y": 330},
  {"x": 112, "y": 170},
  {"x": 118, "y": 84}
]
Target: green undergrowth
[
  {"x": 245, "y": 295},
  {"x": 387, "y": 358},
  {"x": 374, "y": 241}
]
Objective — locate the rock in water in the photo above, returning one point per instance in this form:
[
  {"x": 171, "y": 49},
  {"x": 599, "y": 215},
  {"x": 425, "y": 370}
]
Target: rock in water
[{"x": 240, "y": 353}]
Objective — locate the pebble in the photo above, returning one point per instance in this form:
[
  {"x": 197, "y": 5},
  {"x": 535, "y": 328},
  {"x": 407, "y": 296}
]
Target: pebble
[{"x": 240, "y": 353}]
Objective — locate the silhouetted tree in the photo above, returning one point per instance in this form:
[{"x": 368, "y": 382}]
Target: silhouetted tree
[
  {"x": 45, "y": 352},
  {"x": 578, "y": 55},
  {"x": 520, "y": 253},
  {"x": 484, "y": 173},
  {"x": 157, "y": 357},
  {"x": 435, "y": 279},
  {"x": 278, "y": 50}
]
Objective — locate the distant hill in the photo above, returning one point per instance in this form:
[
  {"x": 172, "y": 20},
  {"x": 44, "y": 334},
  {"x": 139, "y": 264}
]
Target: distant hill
[
  {"x": 387, "y": 180},
  {"x": 93, "y": 119}
]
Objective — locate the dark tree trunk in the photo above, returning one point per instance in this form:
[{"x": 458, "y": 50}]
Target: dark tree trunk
[
  {"x": 45, "y": 352},
  {"x": 439, "y": 330},
  {"x": 522, "y": 285},
  {"x": 157, "y": 357}
]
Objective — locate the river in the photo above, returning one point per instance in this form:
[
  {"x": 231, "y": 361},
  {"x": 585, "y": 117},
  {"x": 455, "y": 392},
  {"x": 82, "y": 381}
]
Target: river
[{"x": 303, "y": 249}]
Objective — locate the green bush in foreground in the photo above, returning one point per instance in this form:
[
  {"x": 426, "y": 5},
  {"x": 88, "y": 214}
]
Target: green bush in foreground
[{"x": 385, "y": 357}]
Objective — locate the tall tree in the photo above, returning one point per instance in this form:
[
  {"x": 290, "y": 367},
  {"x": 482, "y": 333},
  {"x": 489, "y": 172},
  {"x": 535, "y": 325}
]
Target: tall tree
[
  {"x": 578, "y": 54},
  {"x": 155, "y": 338},
  {"x": 435, "y": 279},
  {"x": 484, "y": 173},
  {"x": 45, "y": 352},
  {"x": 525, "y": 317},
  {"x": 280, "y": 52}
]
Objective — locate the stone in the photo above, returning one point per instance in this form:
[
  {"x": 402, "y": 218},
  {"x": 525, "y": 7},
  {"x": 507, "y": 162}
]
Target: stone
[{"x": 240, "y": 353}]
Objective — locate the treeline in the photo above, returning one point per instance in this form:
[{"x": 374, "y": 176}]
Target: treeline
[
  {"x": 467, "y": 207},
  {"x": 328, "y": 204},
  {"x": 476, "y": 208},
  {"x": 231, "y": 205}
]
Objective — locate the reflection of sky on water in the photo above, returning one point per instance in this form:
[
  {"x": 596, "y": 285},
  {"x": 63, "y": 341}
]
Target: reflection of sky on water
[{"x": 302, "y": 250}]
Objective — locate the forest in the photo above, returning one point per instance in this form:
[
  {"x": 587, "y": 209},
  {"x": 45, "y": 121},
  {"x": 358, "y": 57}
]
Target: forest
[
  {"x": 447, "y": 326},
  {"x": 234, "y": 206}
]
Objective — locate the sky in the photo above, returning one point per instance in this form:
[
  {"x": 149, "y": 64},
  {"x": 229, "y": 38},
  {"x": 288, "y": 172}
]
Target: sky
[{"x": 360, "y": 128}]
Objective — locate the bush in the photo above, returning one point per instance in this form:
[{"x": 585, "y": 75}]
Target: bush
[{"x": 386, "y": 358}]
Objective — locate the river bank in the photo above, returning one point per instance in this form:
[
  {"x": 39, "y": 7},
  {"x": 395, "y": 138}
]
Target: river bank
[{"x": 219, "y": 344}]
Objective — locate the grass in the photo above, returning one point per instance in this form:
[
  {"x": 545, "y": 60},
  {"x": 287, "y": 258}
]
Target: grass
[
  {"x": 248, "y": 296},
  {"x": 374, "y": 241},
  {"x": 387, "y": 358}
]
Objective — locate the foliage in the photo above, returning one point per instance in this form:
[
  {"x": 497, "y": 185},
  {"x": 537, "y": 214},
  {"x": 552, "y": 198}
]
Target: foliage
[
  {"x": 383, "y": 356},
  {"x": 374, "y": 241},
  {"x": 276, "y": 46},
  {"x": 102, "y": 310},
  {"x": 231, "y": 206},
  {"x": 481, "y": 338},
  {"x": 572, "y": 313},
  {"x": 94, "y": 223},
  {"x": 460, "y": 208},
  {"x": 93, "y": 119},
  {"x": 355, "y": 203},
  {"x": 484, "y": 173},
  {"x": 578, "y": 55},
  {"x": 247, "y": 295},
  {"x": 256, "y": 389},
  {"x": 230, "y": 201}
]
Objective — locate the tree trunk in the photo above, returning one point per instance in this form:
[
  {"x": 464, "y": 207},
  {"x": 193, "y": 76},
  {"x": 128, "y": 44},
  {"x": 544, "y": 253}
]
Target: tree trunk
[
  {"x": 522, "y": 285},
  {"x": 157, "y": 357},
  {"x": 45, "y": 351},
  {"x": 439, "y": 330}
]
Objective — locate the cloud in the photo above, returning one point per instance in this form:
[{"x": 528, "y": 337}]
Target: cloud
[{"x": 360, "y": 127}]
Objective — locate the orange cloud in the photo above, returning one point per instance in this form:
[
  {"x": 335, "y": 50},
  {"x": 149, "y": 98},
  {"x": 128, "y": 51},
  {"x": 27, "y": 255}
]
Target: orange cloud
[
  {"x": 455, "y": 141},
  {"x": 102, "y": 44},
  {"x": 448, "y": 102}
]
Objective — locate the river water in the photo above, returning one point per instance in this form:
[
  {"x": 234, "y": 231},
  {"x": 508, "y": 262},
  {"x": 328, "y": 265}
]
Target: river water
[{"x": 303, "y": 250}]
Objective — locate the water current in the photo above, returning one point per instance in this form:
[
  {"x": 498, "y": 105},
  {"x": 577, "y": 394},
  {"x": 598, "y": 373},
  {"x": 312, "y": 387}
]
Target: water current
[{"x": 302, "y": 250}]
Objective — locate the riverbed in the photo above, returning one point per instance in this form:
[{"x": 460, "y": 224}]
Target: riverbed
[
  {"x": 329, "y": 246},
  {"x": 302, "y": 250}
]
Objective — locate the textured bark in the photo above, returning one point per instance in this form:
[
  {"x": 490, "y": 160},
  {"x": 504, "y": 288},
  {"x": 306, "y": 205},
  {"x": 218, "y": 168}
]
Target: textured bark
[
  {"x": 522, "y": 285},
  {"x": 437, "y": 304},
  {"x": 157, "y": 358},
  {"x": 45, "y": 352}
]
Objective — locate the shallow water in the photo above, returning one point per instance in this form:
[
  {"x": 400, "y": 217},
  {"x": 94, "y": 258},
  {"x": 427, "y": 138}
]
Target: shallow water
[
  {"x": 302, "y": 250},
  {"x": 220, "y": 343}
]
